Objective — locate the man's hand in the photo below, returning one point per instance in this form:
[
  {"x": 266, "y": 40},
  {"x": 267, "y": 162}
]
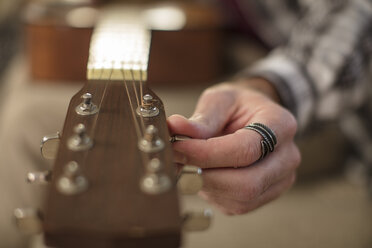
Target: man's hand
[{"x": 233, "y": 178}]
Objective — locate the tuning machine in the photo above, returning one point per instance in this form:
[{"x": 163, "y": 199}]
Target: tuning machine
[
  {"x": 151, "y": 141},
  {"x": 197, "y": 221},
  {"x": 148, "y": 108},
  {"x": 87, "y": 107},
  {"x": 155, "y": 181},
  {"x": 72, "y": 181},
  {"x": 80, "y": 141},
  {"x": 49, "y": 145},
  {"x": 190, "y": 180},
  {"x": 28, "y": 220}
]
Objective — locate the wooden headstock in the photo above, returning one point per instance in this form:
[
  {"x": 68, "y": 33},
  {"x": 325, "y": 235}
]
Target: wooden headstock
[{"x": 114, "y": 210}]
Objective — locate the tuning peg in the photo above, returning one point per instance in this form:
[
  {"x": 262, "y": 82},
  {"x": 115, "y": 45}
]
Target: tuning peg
[
  {"x": 39, "y": 177},
  {"x": 197, "y": 221},
  {"x": 80, "y": 141},
  {"x": 155, "y": 181},
  {"x": 151, "y": 141},
  {"x": 147, "y": 108},
  {"x": 86, "y": 107},
  {"x": 49, "y": 146},
  {"x": 28, "y": 220},
  {"x": 190, "y": 180},
  {"x": 72, "y": 182}
]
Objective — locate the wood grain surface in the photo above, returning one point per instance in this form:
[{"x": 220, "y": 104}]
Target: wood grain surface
[{"x": 113, "y": 212}]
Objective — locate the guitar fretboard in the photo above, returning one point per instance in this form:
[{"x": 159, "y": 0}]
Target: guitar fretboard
[{"x": 120, "y": 46}]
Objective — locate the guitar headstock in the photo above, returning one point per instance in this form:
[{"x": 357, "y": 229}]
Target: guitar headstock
[{"x": 113, "y": 179}]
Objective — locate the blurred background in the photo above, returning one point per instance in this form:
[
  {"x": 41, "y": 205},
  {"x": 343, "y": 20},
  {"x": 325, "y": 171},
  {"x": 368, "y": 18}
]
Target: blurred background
[{"x": 43, "y": 54}]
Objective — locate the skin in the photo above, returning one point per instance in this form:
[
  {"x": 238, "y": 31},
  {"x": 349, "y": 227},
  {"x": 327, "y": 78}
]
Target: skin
[{"x": 234, "y": 180}]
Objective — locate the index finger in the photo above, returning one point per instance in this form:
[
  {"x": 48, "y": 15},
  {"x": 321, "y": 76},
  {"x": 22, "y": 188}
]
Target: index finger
[{"x": 238, "y": 149}]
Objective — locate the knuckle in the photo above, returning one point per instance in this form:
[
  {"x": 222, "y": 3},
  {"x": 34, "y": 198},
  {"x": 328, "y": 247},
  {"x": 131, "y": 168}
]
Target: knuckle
[
  {"x": 290, "y": 122},
  {"x": 211, "y": 92},
  {"x": 236, "y": 209},
  {"x": 293, "y": 178},
  {"x": 223, "y": 90},
  {"x": 208, "y": 91},
  {"x": 240, "y": 210},
  {"x": 296, "y": 158}
]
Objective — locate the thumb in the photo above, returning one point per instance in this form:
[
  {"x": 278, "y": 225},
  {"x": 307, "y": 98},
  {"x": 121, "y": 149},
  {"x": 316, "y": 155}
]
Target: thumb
[{"x": 212, "y": 113}]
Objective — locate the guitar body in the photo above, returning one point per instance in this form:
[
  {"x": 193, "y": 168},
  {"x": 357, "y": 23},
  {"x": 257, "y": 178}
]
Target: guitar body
[{"x": 113, "y": 211}]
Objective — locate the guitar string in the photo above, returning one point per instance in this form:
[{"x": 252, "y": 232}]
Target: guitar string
[
  {"x": 134, "y": 86},
  {"x": 100, "y": 104},
  {"x": 141, "y": 88},
  {"x": 93, "y": 129},
  {"x": 138, "y": 130},
  {"x": 138, "y": 103},
  {"x": 102, "y": 97},
  {"x": 102, "y": 175},
  {"x": 145, "y": 158}
]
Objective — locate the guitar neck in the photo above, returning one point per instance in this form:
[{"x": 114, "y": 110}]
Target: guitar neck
[{"x": 120, "y": 46}]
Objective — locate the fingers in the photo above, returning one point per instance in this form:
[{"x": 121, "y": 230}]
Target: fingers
[
  {"x": 250, "y": 182},
  {"x": 233, "y": 150},
  {"x": 240, "y": 148},
  {"x": 216, "y": 128},
  {"x": 178, "y": 124},
  {"x": 219, "y": 142},
  {"x": 213, "y": 111}
]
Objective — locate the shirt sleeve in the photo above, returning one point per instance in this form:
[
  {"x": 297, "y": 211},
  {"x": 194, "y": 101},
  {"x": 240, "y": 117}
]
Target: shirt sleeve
[{"x": 322, "y": 68}]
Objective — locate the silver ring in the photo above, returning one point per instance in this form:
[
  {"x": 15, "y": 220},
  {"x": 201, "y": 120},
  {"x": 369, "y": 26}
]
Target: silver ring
[{"x": 268, "y": 141}]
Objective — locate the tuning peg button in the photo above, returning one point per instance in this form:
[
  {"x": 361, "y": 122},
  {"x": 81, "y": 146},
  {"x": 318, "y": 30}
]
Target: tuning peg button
[
  {"x": 39, "y": 177},
  {"x": 72, "y": 181},
  {"x": 197, "y": 221},
  {"x": 80, "y": 141},
  {"x": 190, "y": 180},
  {"x": 28, "y": 220},
  {"x": 49, "y": 145}
]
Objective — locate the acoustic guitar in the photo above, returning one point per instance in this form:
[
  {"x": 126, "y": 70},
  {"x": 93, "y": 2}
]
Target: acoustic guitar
[{"x": 114, "y": 183}]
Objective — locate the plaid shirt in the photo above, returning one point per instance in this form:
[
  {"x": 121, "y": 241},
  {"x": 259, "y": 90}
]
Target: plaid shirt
[{"x": 320, "y": 62}]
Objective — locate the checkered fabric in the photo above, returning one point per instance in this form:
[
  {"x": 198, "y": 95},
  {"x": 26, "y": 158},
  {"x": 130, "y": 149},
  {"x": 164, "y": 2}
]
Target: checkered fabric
[{"x": 320, "y": 62}]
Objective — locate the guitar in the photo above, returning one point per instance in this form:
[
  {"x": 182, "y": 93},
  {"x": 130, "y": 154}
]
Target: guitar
[{"x": 114, "y": 183}]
